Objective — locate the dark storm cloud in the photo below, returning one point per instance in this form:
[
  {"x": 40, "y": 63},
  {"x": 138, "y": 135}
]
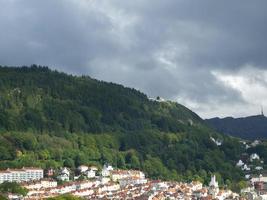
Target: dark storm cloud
[{"x": 180, "y": 49}]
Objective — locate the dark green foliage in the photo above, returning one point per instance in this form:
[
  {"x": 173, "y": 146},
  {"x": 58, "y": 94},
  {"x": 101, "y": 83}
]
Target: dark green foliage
[
  {"x": 38, "y": 99},
  {"x": 52, "y": 119},
  {"x": 65, "y": 197},
  {"x": 253, "y": 127},
  {"x": 3, "y": 197},
  {"x": 13, "y": 188}
]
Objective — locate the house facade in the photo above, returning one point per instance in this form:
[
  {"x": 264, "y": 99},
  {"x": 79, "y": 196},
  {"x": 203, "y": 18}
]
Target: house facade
[{"x": 20, "y": 175}]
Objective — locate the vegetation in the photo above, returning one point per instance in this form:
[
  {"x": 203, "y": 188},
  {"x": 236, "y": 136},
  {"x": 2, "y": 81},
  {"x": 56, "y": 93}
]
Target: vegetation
[
  {"x": 65, "y": 197},
  {"x": 53, "y": 119},
  {"x": 253, "y": 127},
  {"x": 3, "y": 197},
  {"x": 13, "y": 188}
]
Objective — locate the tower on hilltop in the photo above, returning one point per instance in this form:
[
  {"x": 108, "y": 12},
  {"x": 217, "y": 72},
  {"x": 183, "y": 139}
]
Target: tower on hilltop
[{"x": 262, "y": 111}]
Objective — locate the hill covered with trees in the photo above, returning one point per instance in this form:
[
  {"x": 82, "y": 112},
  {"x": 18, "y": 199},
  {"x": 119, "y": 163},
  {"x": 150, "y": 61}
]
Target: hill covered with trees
[
  {"x": 252, "y": 127},
  {"x": 51, "y": 119}
]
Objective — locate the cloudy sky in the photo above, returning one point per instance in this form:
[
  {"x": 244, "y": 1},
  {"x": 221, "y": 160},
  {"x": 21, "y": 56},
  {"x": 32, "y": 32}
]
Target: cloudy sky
[{"x": 208, "y": 55}]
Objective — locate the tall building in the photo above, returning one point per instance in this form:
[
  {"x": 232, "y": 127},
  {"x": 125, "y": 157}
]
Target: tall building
[
  {"x": 213, "y": 186},
  {"x": 20, "y": 175}
]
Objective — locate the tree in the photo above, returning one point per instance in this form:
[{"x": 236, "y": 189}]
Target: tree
[
  {"x": 65, "y": 197},
  {"x": 12, "y": 187},
  {"x": 69, "y": 163}
]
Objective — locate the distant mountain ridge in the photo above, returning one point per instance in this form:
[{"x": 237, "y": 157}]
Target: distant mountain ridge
[{"x": 251, "y": 127}]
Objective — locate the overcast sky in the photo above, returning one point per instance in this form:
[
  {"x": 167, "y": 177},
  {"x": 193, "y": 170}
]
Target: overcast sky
[{"x": 208, "y": 55}]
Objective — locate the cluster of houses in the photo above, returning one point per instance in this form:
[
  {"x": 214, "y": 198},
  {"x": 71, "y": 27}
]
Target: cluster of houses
[
  {"x": 109, "y": 183},
  {"x": 257, "y": 188},
  {"x": 251, "y": 164}
]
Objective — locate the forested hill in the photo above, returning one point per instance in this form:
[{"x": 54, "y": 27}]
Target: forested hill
[
  {"x": 252, "y": 127},
  {"x": 39, "y": 99},
  {"x": 51, "y": 119}
]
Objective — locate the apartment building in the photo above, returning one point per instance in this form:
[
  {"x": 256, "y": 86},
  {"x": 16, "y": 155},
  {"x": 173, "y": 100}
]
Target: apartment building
[{"x": 20, "y": 175}]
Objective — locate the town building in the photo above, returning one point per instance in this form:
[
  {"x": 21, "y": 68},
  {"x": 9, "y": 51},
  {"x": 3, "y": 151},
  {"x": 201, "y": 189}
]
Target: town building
[
  {"x": 213, "y": 186},
  {"x": 83, "y": 168},
  {"x": 254, "y": 156},
  {"x": 106, "y": 170},
  {"x": 64, "y": 174},
  {"x": 240, "y": 163},
  {"x": 49, "y": 172},
  {"x": 20, "y": 175},
  {"x": 40, "y": 184},
  {"x": 91, "y": 173}
]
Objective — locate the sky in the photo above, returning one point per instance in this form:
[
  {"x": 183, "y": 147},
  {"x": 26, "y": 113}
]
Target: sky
[{"x": 210, "y": 56}]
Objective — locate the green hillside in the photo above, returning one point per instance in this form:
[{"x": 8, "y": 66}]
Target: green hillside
[{"x": 52, "y": 119}]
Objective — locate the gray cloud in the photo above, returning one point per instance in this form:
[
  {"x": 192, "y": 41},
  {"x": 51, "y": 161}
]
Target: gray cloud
[{"x": 174, "y": 49}]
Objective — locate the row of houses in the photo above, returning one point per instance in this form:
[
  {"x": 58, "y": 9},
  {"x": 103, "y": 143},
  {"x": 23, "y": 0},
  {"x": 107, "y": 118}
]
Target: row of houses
[
  {"x": 149, "y": 189},
  {"x": 109, "y": 180},
  {"x": 110, "y": 183},
  {"x": 26, "y": 174}
]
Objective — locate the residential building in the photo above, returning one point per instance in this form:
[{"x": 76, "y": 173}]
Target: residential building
[
  {"x": 83, "y": 168},
  {"x": 64, "y": 174},
  {"x": 43, "y": 183},
  {"x": 20, "y": 175},
  {"x": 106, "y": 170},
  {"x": 254, "y": 156}
]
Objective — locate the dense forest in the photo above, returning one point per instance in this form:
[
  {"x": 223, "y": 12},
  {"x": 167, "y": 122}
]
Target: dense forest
[
  {"x": 252, "y": 127},
  {"x": 51, "y": 119}
]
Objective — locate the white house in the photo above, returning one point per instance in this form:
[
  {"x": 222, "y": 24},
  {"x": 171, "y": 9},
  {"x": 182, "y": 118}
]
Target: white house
[
  {"x": 245, "y": 168},
  {"x": 83, "y": 168},
  {"x": 63, "y": 177},
  {"x": 258, "y": 168},
  {"x": 239, "y": 163},
  {"x": 247, "y": 176},
  {"x": 64, "y": 174},
  {"x": 254, "y": 156},
  {"x": 84, "y": 185},
  {"x": 90, "y": 173},
  {"x": 255, "y": 143},
  {"x": 196, "y": 185},
  {"x": 217, "y": 142},
  {"x": 106, "y": 170}
]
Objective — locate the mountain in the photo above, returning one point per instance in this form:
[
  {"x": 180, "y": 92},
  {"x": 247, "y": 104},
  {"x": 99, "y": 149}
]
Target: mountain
[
  {"x": 44, "y": 100},
  {"x": 50, "y": 119},
  {"x": 252, "y": 127}
]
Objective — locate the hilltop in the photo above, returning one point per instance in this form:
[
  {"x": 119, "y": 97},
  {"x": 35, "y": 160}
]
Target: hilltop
[
  {"x": 252, "y": 127},
  {"x": 50, "y": 119},
  {"x": 44, "y": 100}
]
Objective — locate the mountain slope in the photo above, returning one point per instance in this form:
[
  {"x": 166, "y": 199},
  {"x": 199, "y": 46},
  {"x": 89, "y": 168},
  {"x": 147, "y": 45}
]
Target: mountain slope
[
  {"x": 37, "y": 98},
  {"x": 252, "y": 127},
  {"x": 51, "y": 119}
]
